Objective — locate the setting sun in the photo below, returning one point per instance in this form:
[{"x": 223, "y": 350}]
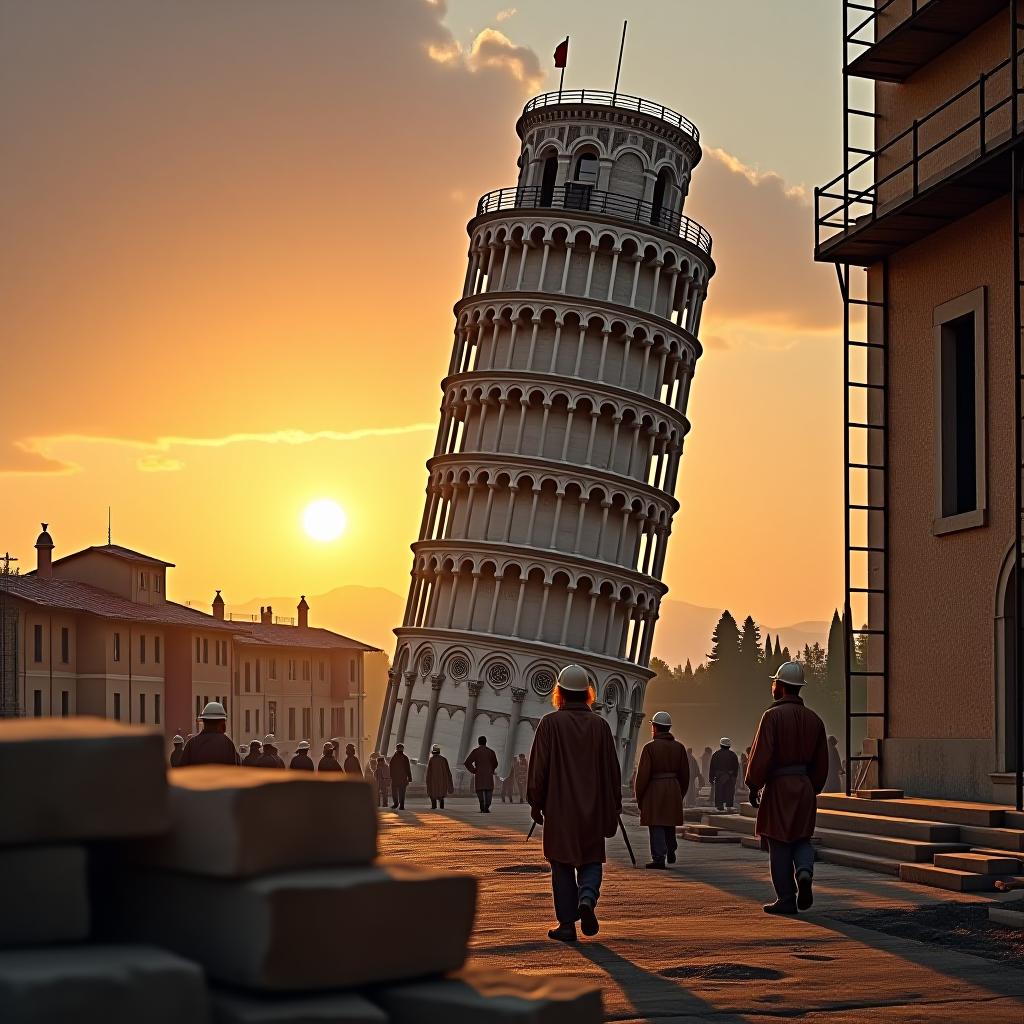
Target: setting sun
[{"x": 324, "y": 520}]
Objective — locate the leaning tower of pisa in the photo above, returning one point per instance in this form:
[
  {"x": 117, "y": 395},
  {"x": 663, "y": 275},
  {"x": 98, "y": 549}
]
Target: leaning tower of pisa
[{"x": 550, "y": 492}]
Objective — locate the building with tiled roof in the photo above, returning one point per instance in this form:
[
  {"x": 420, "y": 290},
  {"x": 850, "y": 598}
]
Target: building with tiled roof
[{"x": 93, "y": 633}]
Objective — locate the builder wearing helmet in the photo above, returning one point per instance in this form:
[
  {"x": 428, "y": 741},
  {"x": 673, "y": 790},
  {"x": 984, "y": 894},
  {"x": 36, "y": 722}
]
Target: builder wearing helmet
[
  {"x": 301, "y": 761},
  {"x": 662, "y": 779},
  {"x": 212, "y": 745},
  {"x": 789, "y": 760},
  {"x": 724, "y": 768},
  {"x": 575, "y": 792}
]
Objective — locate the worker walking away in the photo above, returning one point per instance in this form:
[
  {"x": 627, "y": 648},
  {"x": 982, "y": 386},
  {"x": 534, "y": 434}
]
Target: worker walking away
[
  {"x": 439, "y": 778},
  {"x": 253, "y": 755},
  {"x": 696, "y": 780},
  {"x": 662, "y": 778},
  {"x": 789, "y": 761},
  {"x": 212, "y": 745},
  {"x": 270, "y": 758},
  {"x": 705, "y": 763},
  {"x": 482, "y": 764},
  {"x": 834, "y": 783},
  {"x": 401, "y": 776},
  {"x": 328, "y": 762},
  {"x": 301, "y": 761},
  {"x": 370, "y": 771},
  {"x": 178, "y": 745},
  {"x": 575, "y": 794},
  {"x": 725, "y": 767},
  {"x": 508, "y": 786},
  {"x": 383, "y": 781},
  {"x": 352, "y": 765},
  {"x": 521, "y": 771}
]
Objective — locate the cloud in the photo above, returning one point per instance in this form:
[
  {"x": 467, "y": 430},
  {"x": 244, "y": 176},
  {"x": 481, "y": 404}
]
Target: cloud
[
  {"x": 159, "y": 464},
  {"x": 491, "y": 49},
  {"x": 763, "y": 232},
  {"x": 508, "y": 12}
]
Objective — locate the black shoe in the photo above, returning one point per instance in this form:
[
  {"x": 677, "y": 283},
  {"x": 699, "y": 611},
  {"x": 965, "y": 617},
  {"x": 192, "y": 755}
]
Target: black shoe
[
  {"x": 588, "y": 919},
  {"x": 804, "y": 890},
  {"x": 671, "y": 857},
  {"x": 657, "y": 865},
  {"x": 779, "y": 907},
  {"x": 563, "y": 933}
]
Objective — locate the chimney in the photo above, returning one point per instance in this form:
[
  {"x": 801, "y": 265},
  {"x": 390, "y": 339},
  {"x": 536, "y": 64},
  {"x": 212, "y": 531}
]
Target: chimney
[
  {"x": 303, "y": 613},
  {"x": 266, "y": 616},
  {"x": 44, "y": 554},
  {"x": 218, "y": 606}
]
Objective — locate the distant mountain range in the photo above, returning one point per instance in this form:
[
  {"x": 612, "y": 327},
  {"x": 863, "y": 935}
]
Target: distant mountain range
[{"x": 370, "y": 613}]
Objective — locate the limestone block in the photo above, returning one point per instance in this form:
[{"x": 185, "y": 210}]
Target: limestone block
[
  {"x": 273, "y": 932},
  {"x": 80, "y": 778},
  {"x": 112, "y": 984},
  {"x": 236, "y": 823},
  {"x": 498, "y": 997},
  {"x": 329, "y": 1008},
  {"x": 45, "y": 895}
]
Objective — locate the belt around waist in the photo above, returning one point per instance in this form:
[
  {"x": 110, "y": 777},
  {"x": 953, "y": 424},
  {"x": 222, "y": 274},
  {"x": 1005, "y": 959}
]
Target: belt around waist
[
  {"x": 664, "y": 775},
  {"x": 791, "y": 769}
]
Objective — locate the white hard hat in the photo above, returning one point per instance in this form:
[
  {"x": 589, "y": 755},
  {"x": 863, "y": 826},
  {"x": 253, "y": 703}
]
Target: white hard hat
[
  {"x": 328, "y": 747},
  {"x": 269, "y": 739},
  {"x": 435, "y": 749},
  {"x": 303, "y": 745},
  {"x": 790, "y": 673},
  {"x": 574, "y": 678},
  {"x": 725, "y": 741},
  {"x": 177, "y": 738},
  {"x": 213, "y": 712},
  {"x": 662, "y": 718}
]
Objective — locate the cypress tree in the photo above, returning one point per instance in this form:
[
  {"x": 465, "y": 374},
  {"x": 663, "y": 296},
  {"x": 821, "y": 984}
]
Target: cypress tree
[
  {"x": 725, "y": 642},
  {"x": 750, "y": 643}
]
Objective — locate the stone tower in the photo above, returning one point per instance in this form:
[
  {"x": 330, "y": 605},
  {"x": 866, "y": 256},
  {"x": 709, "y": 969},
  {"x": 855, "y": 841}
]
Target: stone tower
[{"x": 550, "y": 492}]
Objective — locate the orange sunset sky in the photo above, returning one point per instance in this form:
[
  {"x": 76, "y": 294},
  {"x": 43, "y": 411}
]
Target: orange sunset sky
[{"x": 233, "y": 233}]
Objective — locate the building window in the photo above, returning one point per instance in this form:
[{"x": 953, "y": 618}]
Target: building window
[
  {"x": 321, "y": 723},
  {"x": 307, "y": 723},
  {"x": 37, "y": 703},
  {"x": 272, "y": 716},
  {"x": 257, "y": 675},
  {"x": 320, "y": 667},
  {"x": 257, "y": 720},
  {"x": 248, "y": 683},
  {"x": 117, "y": 647},
  {"x": 291, "y": 668},
  {"x": 291, "y": 723},
  {"x": 156, "y": 583},
  {"x": 142, "y": 648},
  {"x": 65, "y": 644},
  {"x": 224, "y": 702},
  {"x": 198, "y": 659},
  {"x": 142, "y": 581},
  {"x": 37, "y": 643},
  {"x": 199, "y": 707},
  {"x": 960, "y": 403},
  {"x": 586, "y": 169},
  {"x": 248, "y": 722},
  {"x": 65, "y": 703},
  {"x": 352, "y": 670},
  {"x": 117, "y": 707},
  {"x": 156, "y": 708},
  {"x": 272, "y": 668},
  {"x": 351, "y": 722},
  {"x": 142, "y": 707},
  {"x": 206, "y": 651},
  {"x": 305, "y": 669},
  {"x": 156, "y": 649}
]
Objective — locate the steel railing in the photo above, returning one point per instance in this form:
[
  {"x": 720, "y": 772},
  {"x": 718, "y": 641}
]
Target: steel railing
[
  {"x": 580, "y": 197},
  {"x": 603, "y": 98},
  {"x": 853, "y": 37}
]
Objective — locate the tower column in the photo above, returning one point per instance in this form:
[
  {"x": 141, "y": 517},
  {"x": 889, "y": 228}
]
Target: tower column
[
  {"x": 403, "y": 719},
  {"x": 436, "y": 682},
  {"x": 518, "y": 696},
  {"x": 634, "y": 732},
  {"x": 473, "y": 688},
  {"x": 384, "y": 732}
]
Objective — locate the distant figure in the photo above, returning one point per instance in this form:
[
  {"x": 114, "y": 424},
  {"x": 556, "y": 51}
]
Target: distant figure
[
  {"x": 725, "y": 766},
  {"x": 179, "y": 744},
  {"x": 521, "y": 770},
  {"x": 212, "y": 745},
  {"x": 383, "y": 781},
  {"x": 508, "y": 788},
  {"x": 662, "y": 778},
  {"x": 301, "y": 761},
  {"x": 401, "y": 776},
  {"x": 250, "y": 759},
  {"x": 789, "y": 760},
  {"x": 370, "y": 771},
  {"x": 270, "y": 757},
  {"x": 352, "y": 765},
  {"x": 575, "y": 795},
  {"x": 328, "y": 762},
  {"x": 835, "y": 767},
  {"x": 482, "y": 763},
  {"x": 705, "y": 763},
  {"x": 439, "y": 778},
  {"x": 696, "y": 781}
]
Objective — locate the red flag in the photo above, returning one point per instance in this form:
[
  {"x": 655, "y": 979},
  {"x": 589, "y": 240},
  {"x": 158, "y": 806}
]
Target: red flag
[{"x": 562, "y": 53}]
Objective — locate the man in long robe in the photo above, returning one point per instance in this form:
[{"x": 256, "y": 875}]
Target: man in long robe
[
  {"x": 301, "y": 761},
  {"x": 212, "y": 745},
  {"x": 834, "y": 783},
  {"x": 696, "y": 781},
  {"x": 250, "y": 759},
  {"x": 789, "y": 761},
  {"x": 270, "y": 758},
  {"x": 521, "y": 771},
  {"x": 438, "y": 778},
  {"x": 328, "y": 761},
  {"x": 662, "y": 778},
  {"x": 179, "y": 746},
  {"x": 482, "y": 764},
  {"x": 401, "y": 776},
  {"x": 575, "y": 794},
  {"x": 383, "y": 781},
  {"x": 352, "y": 766},
  {"x": 725, "y": 766}
]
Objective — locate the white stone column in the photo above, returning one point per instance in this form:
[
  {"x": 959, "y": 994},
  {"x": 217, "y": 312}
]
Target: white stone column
[
  {"x": 473, "y": 688},
  {"x": 403, "y": 718},
  {"x": 391, "y": 698},
  {"x": 518, "y": 696},
  {"x": 634, "y": 732},
  {"x": 436, "y": 682}
]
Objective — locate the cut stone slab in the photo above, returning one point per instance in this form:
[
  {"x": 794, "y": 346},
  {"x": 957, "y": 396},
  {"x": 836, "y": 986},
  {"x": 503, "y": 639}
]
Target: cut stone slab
[
  {"x": 751, "y": 843},
  {"x": 699, "y": 830},
  {"x": 267, "y": 933},
  {"x": 946, "y": 878},
  {"x": 329, "y": 1008},
  {"x": 45, "y": 895},
  {"x": 696, "y": 837},
  {"x": 498, "y": 997},
  {"x": 852, "y": 859},
  {"x": 982, "y": 864},
  {"x": 80, "y": 778},
  {"x": 236, "y": 824},
  {"x": 879, "y": 794},
  {"x": 112, "y": 984},
  {"x": 1007, "y": 914}
]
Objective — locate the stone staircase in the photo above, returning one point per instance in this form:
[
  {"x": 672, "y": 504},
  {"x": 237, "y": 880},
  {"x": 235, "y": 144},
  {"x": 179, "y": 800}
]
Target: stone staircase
[{"x": 964, "y": 847}]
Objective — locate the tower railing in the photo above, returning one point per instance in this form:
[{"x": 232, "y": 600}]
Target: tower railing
[
  {"x": 582, "y": 198},
  {"x": 603, "y": 98}
]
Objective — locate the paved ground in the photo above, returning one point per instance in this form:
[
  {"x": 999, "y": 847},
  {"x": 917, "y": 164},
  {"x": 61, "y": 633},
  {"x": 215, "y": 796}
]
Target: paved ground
[{"x": 693, "y": 944}]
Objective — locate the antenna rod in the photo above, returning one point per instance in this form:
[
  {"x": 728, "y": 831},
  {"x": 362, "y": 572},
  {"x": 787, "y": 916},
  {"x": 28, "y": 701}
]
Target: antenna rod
[
  {"x": 622, "y": 46},
  {"x": 108, "y": 524}
]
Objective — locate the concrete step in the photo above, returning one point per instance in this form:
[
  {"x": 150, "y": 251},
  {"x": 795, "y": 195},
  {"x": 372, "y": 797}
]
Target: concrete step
[
  {"x": 751, "y": 843},
  {"x": 980, "y": 863},
  {"x": 898, "y": 828},
  {"x": 748, "y": 810},
  {"x": 865, "y": 861},
  {"x": 1008, "y": 914},
  {"x": 951, "y": 812},
  {"x": 886, "y": 846},
  {"x": 879, "y": 794},
  {"x": 993, "y": 838},
  {"x": 731, "y": 823},
  {"x": 699, "y": 830},
  {"x": 947, "y": 878},
  {"x": 694, "y": 837},
  {"x": 1013, "y": 819}
]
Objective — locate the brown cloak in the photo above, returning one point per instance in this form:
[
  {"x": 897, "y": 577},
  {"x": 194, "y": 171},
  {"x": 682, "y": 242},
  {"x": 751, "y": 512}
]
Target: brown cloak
[
  {"x": 439, "y": 778},
  {"x": 659, "y": 796},
  {"x": 401, "y": 769},
  {"x": 209, "y": 748},
  {"x": 483, "y": 763}
]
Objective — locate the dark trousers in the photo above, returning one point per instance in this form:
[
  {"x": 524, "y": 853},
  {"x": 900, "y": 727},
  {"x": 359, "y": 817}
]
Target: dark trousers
[
  {"x": 399, "y": 795},
  {"x": 383, "y": 793},
  {"x": 785, "y": 860},
  {"x": 570, "y": 886},
  {"x": 663, "y": 841},
  {"x": 434, "y": 801},
  {"x": 484, "y": 796},
  {"x": 725, "y": 791}
]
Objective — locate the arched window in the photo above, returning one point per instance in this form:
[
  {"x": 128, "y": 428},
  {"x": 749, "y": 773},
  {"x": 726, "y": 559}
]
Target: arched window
[
  {"x": 547, "y": 181},
  {"x": 660, "y": 212},
  {"x": 586, "y": 169}
]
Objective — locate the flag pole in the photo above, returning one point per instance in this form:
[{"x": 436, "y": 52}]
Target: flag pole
[
  {"x": 560, "y": 81},
  {"x": 618, "y": 68}
]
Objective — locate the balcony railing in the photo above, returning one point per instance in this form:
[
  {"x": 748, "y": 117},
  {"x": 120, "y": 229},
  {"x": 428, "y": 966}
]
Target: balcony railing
[
  {"x": 582, "y": 198},
  {"x": 601, "y": 98},
  {"x": 976, "y": 122}
]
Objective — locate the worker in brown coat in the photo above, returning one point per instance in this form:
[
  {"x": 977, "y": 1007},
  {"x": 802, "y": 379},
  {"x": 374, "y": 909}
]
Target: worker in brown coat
[
  {"x": 352, "y": 765},
  {"x": 789, "y": 761},
  {"x": 250, "y": 759},
  {"x": 521, "y": 770},
  {"x": 662, "y": 778},
  {"x": 482, "y": 764},
  {"x": 575, "y": 794},
  {"x": 439, "y": 778},
  {"x": 212, "y": 745},
  {"x": 328, "y": 761},
  {"x": 179, "y": 746},
  {"x": 401, "y": 776}
]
